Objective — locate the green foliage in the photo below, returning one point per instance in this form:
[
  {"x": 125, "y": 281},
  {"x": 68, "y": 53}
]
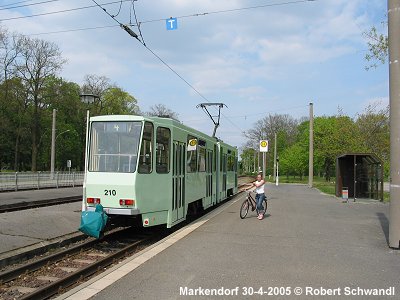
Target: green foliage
[
  {"x": 118, "y": 102},
  {"x": 333, "y": 136},
  {"x": 30, "y": 90},
  {"x": 378, "y": 47}
]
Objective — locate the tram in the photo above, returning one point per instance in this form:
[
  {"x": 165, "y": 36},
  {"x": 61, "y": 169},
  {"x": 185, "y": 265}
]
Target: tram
[{"x": 154, "y": 170}]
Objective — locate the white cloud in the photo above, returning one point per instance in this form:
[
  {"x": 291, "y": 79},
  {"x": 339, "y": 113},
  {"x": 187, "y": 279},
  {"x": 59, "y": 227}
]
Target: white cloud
[{"x": 274, "y": 55}]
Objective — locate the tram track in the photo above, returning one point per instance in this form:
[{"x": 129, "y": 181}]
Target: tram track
[
  {"x": 39, "y": 203},
  {"x": 46, "y": 277}
]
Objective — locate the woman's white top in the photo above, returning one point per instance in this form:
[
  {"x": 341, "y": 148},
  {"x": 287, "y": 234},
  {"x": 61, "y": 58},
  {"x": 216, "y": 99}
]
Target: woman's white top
[{"x": 260, "y": 189}]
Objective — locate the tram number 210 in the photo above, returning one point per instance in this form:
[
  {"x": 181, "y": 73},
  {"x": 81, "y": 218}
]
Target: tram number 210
[{"x": 110, "y": 192}]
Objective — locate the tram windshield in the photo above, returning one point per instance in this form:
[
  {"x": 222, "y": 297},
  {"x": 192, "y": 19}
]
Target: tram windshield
[{"x": 114, "y": 146}]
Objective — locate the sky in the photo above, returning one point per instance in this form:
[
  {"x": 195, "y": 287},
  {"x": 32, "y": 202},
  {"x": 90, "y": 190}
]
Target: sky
[{"x": 258, "y": 57}]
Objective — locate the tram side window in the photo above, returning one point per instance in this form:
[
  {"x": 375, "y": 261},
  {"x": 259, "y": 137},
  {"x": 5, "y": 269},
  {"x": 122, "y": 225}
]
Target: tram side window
[
  {"x": 221, "y": 159},
  {"x": 231, "y": 162},
  {"x": 191, "y": 163},
  {"x": 202, "y": 159},
  {"x": 163, "y": 150},
  {"x": 236, "y": 164},
  {"x": 146, "y": 151}
]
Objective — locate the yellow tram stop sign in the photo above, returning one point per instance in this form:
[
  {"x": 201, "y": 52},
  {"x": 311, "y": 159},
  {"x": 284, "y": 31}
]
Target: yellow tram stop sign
[
  {"x": 192, "y": 145},
  {"x": 263, "y": 146}
]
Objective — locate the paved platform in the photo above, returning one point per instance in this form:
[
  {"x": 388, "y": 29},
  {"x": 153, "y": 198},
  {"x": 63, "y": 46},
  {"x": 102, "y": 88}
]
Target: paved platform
[
  {"x": 37, "y": 227},
  {"x": 37, "y": 195},
  {"x": 308, "y": 241},
  {"x": 33, "y": 228}
]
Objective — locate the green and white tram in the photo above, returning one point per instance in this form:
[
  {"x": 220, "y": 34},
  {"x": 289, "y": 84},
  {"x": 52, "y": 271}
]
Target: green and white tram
[{"x": 155, "y": 170}]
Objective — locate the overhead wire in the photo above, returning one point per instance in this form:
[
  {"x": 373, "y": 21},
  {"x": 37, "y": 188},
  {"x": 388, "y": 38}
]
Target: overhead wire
[
  {"x": 154, "y": 20},
  {"x": 60, "y": 11},
  {"x": 256, "y": 114},
  {"x": 15, "y": 3},
  {"x": 25, "y": 5},
  {"x": 232, "y": 10},
  {"x": 137, "y": 23},
  {"x": 120, "y": 5},
  {"x": 126, "y": 28},
  {"x": 131, "y": 33}
]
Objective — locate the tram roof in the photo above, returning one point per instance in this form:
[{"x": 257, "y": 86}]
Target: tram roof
[{"x": 159, "y": 120}]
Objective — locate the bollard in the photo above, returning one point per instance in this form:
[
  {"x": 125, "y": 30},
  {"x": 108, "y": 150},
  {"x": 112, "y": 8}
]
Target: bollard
[
  {"x": 38, "y": 180},
  {"x": 16, "y": 181}
]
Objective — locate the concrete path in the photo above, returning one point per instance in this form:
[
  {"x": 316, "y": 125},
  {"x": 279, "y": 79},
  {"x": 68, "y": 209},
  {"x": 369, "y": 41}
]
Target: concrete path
[{"x": 309, "y": 244}]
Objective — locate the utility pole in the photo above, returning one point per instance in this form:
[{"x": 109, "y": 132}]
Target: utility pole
[
  {"x": 311, "y": 149},
  {"x": 254, "y": 162},
  {"x": 277, "y": 172},
  {"x": 275, "y": 158},
  {"x": 394, "y": 79},
  {"x": 53, "y": 145}
]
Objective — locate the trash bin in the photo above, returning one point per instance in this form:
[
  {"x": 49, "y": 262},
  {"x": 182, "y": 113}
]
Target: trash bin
[{"x": 345, "y": 193}]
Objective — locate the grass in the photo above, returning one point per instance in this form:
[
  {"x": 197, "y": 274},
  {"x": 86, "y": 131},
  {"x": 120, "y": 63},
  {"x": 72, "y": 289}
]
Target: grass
[
  {"x": 321, "y": 184},
  {"x": 325, "y": 187},
  {"x": 386, "y": 197}
]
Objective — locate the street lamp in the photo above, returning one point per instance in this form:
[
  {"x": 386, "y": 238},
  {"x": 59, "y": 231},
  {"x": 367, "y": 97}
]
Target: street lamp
[{"x": 88, "y": 99}]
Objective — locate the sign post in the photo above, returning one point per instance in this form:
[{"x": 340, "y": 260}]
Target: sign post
[{"x": 264, "y": 149}]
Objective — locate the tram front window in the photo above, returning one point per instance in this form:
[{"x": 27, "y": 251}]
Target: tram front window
[{"x": 114, "y": 146}]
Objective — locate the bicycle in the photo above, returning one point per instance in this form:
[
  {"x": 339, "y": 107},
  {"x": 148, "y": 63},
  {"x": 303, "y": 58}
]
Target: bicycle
[{"x": 251, "y": 202}]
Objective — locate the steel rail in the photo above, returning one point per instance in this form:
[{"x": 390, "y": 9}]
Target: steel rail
[
  {"x": 10, "y": 275},
  {"x": 40, "y": 203},
  {"x": 54, "y": 288}
]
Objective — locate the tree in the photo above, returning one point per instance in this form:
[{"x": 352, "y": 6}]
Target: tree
[
  {"x": 373, "y": 126},
  {"x": 97, "y": 86},
  {"x": 284, "y": 126},
  {"x": 15, "y": 120},
  {"x": 294, "y": 160},
  {"x": 70, "y": 125},
  {"x": 378, "y": 47},
  {"x": 110, "y": 99},
  {"x": 117, "y": 101},
  {"x": 160, "y": 110},
  {"x": 249, "y": 160},
  {"x": 37, "y": 61}
]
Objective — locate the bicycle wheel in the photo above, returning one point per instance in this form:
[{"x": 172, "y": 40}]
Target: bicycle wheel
[
  {"x": 265, "y": 206},
  {"x": 244, "y": 209}
]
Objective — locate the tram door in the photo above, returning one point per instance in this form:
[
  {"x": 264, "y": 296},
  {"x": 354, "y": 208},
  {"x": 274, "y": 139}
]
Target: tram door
[
  {"x": 209, "y": 176},
  {"x": 178, "y": 181},
  {"x": 224, "y": 159}
]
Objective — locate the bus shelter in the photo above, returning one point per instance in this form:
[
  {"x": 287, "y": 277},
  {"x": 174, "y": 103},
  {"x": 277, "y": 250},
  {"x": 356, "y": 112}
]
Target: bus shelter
[{"x": 359, "y": 175}]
